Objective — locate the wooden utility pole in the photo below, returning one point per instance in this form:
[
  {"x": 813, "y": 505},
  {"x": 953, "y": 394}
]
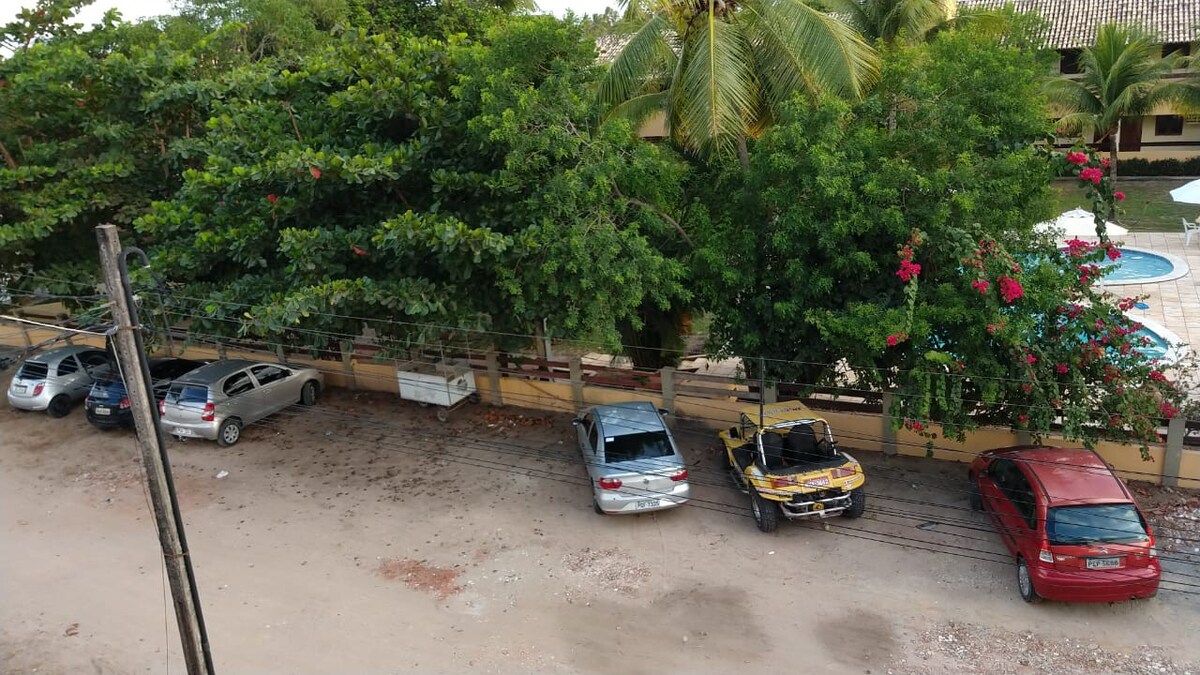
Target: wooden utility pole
[{"x": 135, "y": 371}]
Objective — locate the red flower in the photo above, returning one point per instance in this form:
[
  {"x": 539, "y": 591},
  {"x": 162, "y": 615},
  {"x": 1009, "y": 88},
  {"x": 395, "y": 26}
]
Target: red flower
[
  {"x": 1022, "y": 418},
  {"x": 1092, "y": 174},
  {"x": 1119, "y": 195},
  {"x": 1027, "y": 388},
  {"x": 1077, "y": 158},
  {"x": 1010, "y": 289},
  {"x": 358, "y": 251},
  {"x": 1030, "y": 358},
  {"x": 1061, "y": 368},
  {"x": 908, "y": 270},
  {"x": 893, "y": 340},
  {"x": 1104, "y": 162},
  {"x": 981, "y": 285},
  {"x": 1157, "y": 376},
  {"x": 1126, "y": 304},
  {"x": 917, "y": 426},
  {"x": 906, "y": 253},
  {"x": 316, "y": 173},
  {"x": 1112, "y": 251},
  {"x": 1169, "y": 411},
  {"x": 272, "y": 198}
]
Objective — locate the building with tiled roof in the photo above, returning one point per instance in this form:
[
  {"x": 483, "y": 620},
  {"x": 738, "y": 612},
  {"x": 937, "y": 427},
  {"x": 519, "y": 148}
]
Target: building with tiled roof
[{"x": 1072, "y": 23}]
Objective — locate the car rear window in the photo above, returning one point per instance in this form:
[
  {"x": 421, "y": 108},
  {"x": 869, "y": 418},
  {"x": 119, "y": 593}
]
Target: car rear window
[
  {"x": 33, "y": 370},
  {"x": 1107, "y": 523},
  {"x": 630, "y": 447},
  {"x": 187, "y": 394}
]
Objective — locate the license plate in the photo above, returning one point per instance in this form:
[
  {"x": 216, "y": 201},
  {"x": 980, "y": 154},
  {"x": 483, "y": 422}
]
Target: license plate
[
  {"x": 1103, "y": 563},
  {"x": 103, "y": 411},
  {"x": 19, "y": 388},
  {"x": 817, "y": 482},
  {"x": 647, "y": 504},
  {"x": 183, "y": 431}
]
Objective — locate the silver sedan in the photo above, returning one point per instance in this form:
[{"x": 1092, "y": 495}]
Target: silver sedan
[
  {"x": 631, "y": 459},
  {"x": 54, "y": 380}
]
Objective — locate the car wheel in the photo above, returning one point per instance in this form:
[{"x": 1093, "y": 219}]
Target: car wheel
[
  {"x": 475, "y": 397},
  {"x": 59, "y": 406},
  {"x": 858, "y": 503},
  {"x": 229, "y": 433},
  {"x": 596, "y": 507},
  {"x": 308, "y": 394},
  {"x": 1025, "y": 582},
  {"x": 973, "y": 497},
  {"x": 766, "y": 513}
]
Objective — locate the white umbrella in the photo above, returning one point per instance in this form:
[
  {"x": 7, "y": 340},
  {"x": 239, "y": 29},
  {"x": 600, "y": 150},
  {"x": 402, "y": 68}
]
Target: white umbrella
[
  {"x": 1078, "y": 223},
  {"x": 1188, "y": 193}
]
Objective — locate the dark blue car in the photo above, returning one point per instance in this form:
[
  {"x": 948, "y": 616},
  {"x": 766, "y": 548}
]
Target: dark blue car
[{"x": 107, "y": 405}]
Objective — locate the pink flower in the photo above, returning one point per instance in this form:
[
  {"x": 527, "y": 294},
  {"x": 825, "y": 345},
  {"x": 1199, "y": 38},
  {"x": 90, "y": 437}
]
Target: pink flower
[
  {"x": 1092, "y": 174},
  {"x": 272, "y": 198},
  {"x": 1077, "y": 158},
  {"x": 1077, "y": 248},
  {"x": 1157, "y": 376},
  {"x": 1104, "y": 162},
  {"x": 1061, "y": 368},
  {"x": 1027, "y": 388},
  {"x": 1112, "y": 251},
  {"x": 893, "y": 340},
  {"x": 908, "y": 270},
  {"x": 981, "y": 285},
  {"x": 1022, "y": 418},
  {"x": 1030, "y": 358},
  {"x": 316, "y": 173},
  {"x": 906, "y": 253},
  {"x": 358, "y": 251},
  {"x": 1010, "y": 289},
  {"x": 1119, "y": 195}
]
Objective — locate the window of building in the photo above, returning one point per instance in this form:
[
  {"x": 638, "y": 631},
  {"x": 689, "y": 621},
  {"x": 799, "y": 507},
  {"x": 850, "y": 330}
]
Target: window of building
[
  {"x": 1168, "y": 125},
  {"x": 1181, "y": 48},
  {"x": 1069, "y": 65}
]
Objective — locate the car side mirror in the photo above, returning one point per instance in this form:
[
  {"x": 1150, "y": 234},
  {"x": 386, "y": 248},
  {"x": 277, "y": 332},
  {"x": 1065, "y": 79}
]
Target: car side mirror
[{"x": 664, "y": 411}]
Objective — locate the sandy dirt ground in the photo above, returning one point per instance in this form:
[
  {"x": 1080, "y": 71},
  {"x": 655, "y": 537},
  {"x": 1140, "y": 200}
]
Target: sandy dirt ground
[{"x": 362, "y": 536}]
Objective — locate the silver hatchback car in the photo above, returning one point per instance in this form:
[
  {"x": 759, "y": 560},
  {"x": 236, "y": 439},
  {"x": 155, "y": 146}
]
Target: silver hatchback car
[
  {"x": 215, "y": 401},
  {"x": 53, "y": 381},
  {"x": 631, "y": 459}
]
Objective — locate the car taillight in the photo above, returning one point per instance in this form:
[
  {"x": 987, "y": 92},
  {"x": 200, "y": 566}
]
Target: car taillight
[
  {"x": 781, "y": 481},
  {"x": 124, "y": 403},
  {"x": 1046, "y": 556},
  {"x": 210, "y": 412},
  {"x": 37, "y": 389},
  {"x": 162, "y": 408},
  {"x": 682, "y": 475},
  {"x": 609, "y": 483},
  {"x": 842, "y": 472}
]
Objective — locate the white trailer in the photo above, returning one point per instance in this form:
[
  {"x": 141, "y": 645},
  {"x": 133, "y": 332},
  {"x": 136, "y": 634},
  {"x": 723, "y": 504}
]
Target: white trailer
[{"x": 446, "y": 384}]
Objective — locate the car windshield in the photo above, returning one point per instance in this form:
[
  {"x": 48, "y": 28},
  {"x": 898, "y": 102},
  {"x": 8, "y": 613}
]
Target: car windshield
[
  {"x": 185, "y": 394},
  {"x": 33, "y": 370},
  {"x": 1102, "y": 523},
  {"x": 629, "y": 447}
]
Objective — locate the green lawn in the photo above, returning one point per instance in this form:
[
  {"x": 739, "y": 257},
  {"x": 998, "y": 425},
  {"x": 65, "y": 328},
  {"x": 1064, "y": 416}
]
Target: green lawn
[{"x": 1147, "y": 206}]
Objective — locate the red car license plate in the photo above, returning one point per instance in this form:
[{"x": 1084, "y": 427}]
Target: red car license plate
[{"x": 1103, "y": 563}]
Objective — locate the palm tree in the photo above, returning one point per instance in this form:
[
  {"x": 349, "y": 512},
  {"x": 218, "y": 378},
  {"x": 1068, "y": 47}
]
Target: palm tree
[
  {"x": 886, "y": 20},
  {"x": 1122, "y": 75},
  {"x": 718, "y": 68}
]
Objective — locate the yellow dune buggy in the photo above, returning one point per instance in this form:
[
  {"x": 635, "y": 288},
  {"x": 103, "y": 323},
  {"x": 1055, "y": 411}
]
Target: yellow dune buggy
[{"x": 784, "y": 456}]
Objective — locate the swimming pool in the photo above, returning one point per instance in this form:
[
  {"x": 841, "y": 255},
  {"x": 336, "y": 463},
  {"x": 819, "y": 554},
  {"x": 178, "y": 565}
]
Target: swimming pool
[
  {"x": 1164, "y": 344},
  {"x": 1140, "y": 266}
]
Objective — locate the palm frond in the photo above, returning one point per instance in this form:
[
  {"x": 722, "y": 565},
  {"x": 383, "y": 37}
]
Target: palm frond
[
  {"x": 640, "y": 108},
  {"x": 803, "y": 49},
  {"x": 718, "y": 93},
  {"x": 646, "y": 55}
]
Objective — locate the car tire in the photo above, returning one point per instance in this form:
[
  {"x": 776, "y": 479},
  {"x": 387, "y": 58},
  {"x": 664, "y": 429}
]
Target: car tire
[
  {"x": 858, "y": 503},
  {"x": 309, "y": 393},
  {"x": 1025, "y": 583},
  {"x": 973, "y": 497},
  {"x": 59, "y": 406},
  {"x": 229, "y": 433},
  {"x": 596, "y": 507},
  {"x": 765, "y": 512}
]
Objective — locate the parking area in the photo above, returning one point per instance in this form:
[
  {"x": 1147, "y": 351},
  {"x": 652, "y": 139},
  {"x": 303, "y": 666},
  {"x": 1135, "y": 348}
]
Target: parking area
[{"x": 364, "y": 536}]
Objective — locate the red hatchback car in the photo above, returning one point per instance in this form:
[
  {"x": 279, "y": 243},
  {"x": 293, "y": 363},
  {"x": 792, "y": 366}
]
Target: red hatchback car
[{"x": 1070, "y": 522}]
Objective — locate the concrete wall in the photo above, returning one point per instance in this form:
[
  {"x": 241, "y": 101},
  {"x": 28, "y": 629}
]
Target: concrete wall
[{"x": 863, "y": 431}]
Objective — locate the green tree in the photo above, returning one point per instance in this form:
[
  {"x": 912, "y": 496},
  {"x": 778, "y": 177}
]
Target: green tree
[
  {"x": 717, "y": 70},
  {"x": 1122, "y": 76},
  {"x": 906, "y": 261},
  {"x": 887, "y": 20},
  {"x": 420, "y": 181}
]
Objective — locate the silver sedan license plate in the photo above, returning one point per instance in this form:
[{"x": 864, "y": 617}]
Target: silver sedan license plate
[
  {"x": 1103, "y": 563},
  {"x": 183, "y": 431},
  {"x": 647, "y": 504},
  {"x": 19, "y": 388}
]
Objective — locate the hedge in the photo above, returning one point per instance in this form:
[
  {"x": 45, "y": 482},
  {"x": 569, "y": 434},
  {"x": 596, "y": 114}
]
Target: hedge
[{"x": 1159, "y": 167}]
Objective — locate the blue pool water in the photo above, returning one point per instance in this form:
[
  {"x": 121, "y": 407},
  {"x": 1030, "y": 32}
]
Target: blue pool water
[
  {"x": 1133, "y": 265},
  {"x": 1156, "y": 349}
]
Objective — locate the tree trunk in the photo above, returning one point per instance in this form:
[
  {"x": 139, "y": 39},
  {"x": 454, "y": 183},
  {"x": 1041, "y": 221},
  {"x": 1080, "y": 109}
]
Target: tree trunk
[
  {"x": 1112, "y": 170},
  {"x": 743, "y": 152},
  {"x": 891, "y": 118}
]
